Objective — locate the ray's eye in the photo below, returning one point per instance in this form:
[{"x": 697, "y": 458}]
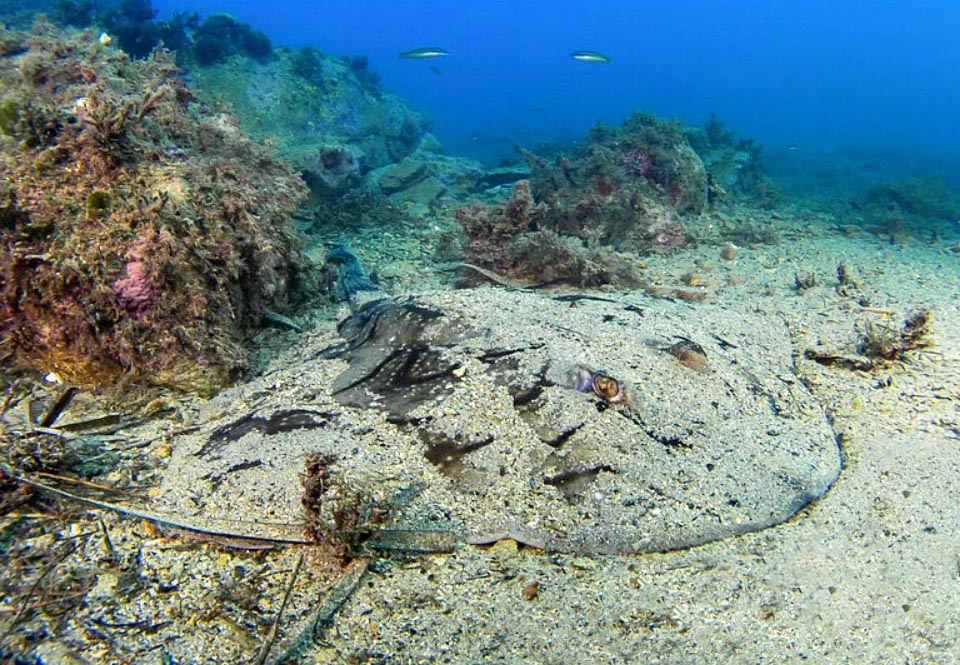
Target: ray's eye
[
  {"x": 600, "y": 384},
  {"x": 607, "y": 387}
]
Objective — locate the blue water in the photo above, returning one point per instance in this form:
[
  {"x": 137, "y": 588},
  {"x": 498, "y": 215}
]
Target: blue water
[{"x": 813, "y": 74}]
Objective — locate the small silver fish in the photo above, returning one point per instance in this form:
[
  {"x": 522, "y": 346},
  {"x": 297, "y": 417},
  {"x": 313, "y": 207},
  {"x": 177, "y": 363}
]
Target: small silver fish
[
  {"x": 424, "y": 53},
  {"x": 590, "y": 56}
]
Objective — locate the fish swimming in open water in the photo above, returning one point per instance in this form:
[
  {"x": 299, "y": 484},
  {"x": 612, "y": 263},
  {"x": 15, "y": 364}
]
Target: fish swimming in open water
[
  {"x": 590, "y": 56},
  {"x": 425, "y": 52}
]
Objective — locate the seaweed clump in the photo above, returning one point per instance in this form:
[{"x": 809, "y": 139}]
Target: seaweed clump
[
  {"x": 134, "y": 25},
  {"x": 140, "y": 234},
  {"x": 627, "y": 191},
  {"x": 507, "y": 239},
  {"x": 889, "y": 343},
  {"x": 220, "y": 36},
  {"x": 340, "y": 513}
]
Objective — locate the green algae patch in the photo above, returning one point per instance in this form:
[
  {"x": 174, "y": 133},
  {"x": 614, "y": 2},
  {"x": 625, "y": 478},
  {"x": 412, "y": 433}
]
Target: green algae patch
[
  {"x": 9, "y": 116},
  {"x": 97, "y": 203}
]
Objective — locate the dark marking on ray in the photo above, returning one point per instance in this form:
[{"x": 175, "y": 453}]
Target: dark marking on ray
[
  {"x": 394, "y": 361},
  {"x": 724, "y": 344},
  {"x": 505, "y": 371},
  {"x": 232, "y": 432},
  {"x": 574, "y": 482},
  {"x": 564, "y": 436},
  {"x": 403, "y": 379},
  {"x": 281, "y": 421},
  {"x": 382, "y": 319},
  {"x": 668, "y": 440},
  {"x": 286, "y": 421},
  {"x": 504, "y": 365},
  {"x": 215, "y": 480},
  {"x": 447, "y": 453},
  {"x": 408, "y": 376},
  {"x": 243, "y": 466},
  {"x": 580, "y": 297},
  {"x": 379, "y": 321},
  {"x": 491, "y": 355},
  {"x": 410, "y": 421},
  {"x": 398, "y": 353},
  {"x": 674, "y": 442},
  {"x": 525, "y": 395}
]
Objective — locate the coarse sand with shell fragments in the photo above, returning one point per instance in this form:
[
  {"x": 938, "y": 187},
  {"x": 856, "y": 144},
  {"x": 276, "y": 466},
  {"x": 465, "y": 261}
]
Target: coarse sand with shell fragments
[{"x": 775, "y": 504}]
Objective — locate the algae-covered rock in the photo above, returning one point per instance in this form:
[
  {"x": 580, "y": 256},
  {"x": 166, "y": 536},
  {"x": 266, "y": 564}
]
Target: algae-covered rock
[
  {"x": 403, "y": 174},
  {"x": 733, "y": 164},
  {"x": 926, "y": 198},
  {"x": 583, "y": 218},
  {"x": 326, "y": 116},
  {"x": 425, "y": 176},
  {"x": 645, "y": 155},
  {"x": 140, "y": 233}
]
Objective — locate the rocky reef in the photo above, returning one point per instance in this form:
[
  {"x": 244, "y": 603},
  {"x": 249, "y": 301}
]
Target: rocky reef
[
  {"x": 142, "y": 233},
  {"x": 583, "y": 219},
  {"x": 733, "y": 165},
  {"x": 327, "y": 117},
  {"x": 921, "y": 207}
]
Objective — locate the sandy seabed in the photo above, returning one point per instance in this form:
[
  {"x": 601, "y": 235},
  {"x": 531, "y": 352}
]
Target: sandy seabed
[{"x": 869, "y": 573}]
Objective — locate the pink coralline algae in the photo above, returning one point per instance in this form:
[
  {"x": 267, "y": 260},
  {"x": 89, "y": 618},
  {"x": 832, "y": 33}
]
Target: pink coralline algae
[{"x": 136, "y": 291}]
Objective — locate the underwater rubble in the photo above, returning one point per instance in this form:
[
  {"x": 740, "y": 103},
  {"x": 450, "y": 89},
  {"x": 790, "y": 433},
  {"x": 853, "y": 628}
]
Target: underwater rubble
[
  {"x": 916, "y": 207},
  {"x": 588, "y": 217}
]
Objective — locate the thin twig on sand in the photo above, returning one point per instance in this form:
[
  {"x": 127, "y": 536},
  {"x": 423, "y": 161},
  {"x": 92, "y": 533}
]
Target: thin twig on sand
[{"x": 272, "y": 636}]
